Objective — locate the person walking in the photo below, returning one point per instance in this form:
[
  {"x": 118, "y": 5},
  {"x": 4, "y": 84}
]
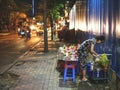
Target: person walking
[{"x": 83, "y": 51}]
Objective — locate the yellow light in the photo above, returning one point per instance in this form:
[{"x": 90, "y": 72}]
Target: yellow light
[
  {"x": 32, "y": 27},
  {"x": 118, "y": 30}
]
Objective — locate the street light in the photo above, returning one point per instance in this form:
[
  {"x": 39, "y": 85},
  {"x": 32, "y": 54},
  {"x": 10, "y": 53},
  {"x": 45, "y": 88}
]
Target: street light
[{"x": 33, "y": 7}]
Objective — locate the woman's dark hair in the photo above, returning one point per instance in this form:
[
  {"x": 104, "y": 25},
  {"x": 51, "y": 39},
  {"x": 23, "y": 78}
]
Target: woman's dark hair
[{"x": 102, "y": 38}]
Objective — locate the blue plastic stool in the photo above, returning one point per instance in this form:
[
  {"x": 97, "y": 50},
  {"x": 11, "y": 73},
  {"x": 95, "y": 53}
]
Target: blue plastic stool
[
  {"x": 77, "y": 72},
  {"x": 88, "y": 67},
  {"x": 69, "y": 66}
]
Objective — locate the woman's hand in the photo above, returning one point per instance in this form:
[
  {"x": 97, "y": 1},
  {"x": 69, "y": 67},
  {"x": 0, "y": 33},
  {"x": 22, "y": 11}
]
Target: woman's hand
[{"x": 96, "y": 55}]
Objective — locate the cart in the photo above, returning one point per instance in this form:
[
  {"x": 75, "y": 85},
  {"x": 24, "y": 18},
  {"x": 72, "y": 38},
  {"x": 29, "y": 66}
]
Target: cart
[{"x": 97, "y": 74}]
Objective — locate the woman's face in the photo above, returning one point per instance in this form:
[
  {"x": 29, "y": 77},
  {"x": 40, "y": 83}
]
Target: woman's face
[{"x": 99, "y": 41}]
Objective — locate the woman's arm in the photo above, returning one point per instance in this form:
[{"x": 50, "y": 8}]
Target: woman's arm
[{"x": 92, "y": 50}]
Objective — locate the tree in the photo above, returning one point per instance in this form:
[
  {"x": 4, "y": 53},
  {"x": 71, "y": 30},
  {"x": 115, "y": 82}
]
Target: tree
[
  {"x": 50, "y": 11},
  {"x": 45, "y": 29},
  {"x": 12, "y": 6},
  {"x": 55, "y": 11}
]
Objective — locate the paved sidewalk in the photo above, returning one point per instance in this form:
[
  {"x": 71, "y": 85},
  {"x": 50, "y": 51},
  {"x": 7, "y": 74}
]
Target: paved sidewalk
[{"x": 38, "y": 71}]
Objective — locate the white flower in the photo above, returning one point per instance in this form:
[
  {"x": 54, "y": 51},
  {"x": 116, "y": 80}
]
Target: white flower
[{"x": 97, "y": 59}]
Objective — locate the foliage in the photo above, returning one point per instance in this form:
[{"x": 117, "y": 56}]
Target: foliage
[
  {"x": 56, "y": 8},
  {"x": 104, "y": 62},
  {"x": 56, "y": 11},
  {"x": 22, "y": 5},
  {"x": 14, "y": 5},
  {"x": 5, "y": 6}
]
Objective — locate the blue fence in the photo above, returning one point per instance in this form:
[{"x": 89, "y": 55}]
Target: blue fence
[{"x": 107, "y": 14}]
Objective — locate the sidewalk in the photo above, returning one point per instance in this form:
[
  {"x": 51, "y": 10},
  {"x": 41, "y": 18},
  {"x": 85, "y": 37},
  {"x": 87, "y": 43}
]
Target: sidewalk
[{"x": 38, "y": 71}]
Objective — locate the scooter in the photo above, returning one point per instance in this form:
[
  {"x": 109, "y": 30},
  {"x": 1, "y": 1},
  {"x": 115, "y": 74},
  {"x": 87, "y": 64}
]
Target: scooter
[
  {"x": 23, "y": 33},
  {"x": 28, "y": 35}
]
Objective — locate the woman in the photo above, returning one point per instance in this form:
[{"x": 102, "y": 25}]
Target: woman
[{"x": 84, "y": 49}]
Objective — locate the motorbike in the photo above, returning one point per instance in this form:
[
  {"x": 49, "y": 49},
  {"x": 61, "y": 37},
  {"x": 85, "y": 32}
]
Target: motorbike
[
  {"x": 23, "y": 33},
  {"x": 28, "y": 35}
]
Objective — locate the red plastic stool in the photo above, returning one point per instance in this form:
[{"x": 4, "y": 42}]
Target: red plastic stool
[{"x": 69, "y": 65}]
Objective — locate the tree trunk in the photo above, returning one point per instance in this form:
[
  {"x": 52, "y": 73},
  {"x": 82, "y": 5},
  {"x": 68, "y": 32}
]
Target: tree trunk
[
  {"x": 51, "y": 22},
  {"x": 45, "y": 29},
  {"x": 53, "y": 33}
]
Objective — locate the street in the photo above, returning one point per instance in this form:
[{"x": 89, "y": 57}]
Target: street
[{"x": 13, "y": 46}]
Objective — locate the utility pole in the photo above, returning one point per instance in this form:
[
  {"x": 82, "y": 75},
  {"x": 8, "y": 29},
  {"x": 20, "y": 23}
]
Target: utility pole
[
  {"x": 45, "y": 29},
  {"x": 33, "y": 8}
]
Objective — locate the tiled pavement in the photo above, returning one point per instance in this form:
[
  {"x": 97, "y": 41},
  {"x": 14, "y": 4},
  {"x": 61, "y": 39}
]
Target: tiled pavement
[
  {"x": 37, "y": 75},
  {"x": 37, "y": 71}
]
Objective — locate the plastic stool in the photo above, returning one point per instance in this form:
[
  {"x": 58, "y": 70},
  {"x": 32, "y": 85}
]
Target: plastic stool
[
  {"x": 69, "y": 65},
  {"x": 77, "y": 68},
  {"x": 88, "y": 71}
]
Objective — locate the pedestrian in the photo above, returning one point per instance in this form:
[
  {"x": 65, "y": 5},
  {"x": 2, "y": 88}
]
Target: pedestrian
[{"x": 83, "y": 51}]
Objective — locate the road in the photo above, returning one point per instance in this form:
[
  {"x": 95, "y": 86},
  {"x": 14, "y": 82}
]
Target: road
[{"x": 12, "y": 46}]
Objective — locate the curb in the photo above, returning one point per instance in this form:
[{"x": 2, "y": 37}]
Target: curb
[{"x": 6, "y": 68}]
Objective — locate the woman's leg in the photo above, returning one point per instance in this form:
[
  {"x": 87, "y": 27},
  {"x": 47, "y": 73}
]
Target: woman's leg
[
  {"x": 84, "y": 75},
  {"x": 84, "y": 71}
]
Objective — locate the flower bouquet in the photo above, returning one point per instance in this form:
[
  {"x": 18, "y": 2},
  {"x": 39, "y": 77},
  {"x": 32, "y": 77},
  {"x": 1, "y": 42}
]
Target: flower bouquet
[
  {"x": 69, "y": 52},
  {"x": 103, "y": 61}
]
